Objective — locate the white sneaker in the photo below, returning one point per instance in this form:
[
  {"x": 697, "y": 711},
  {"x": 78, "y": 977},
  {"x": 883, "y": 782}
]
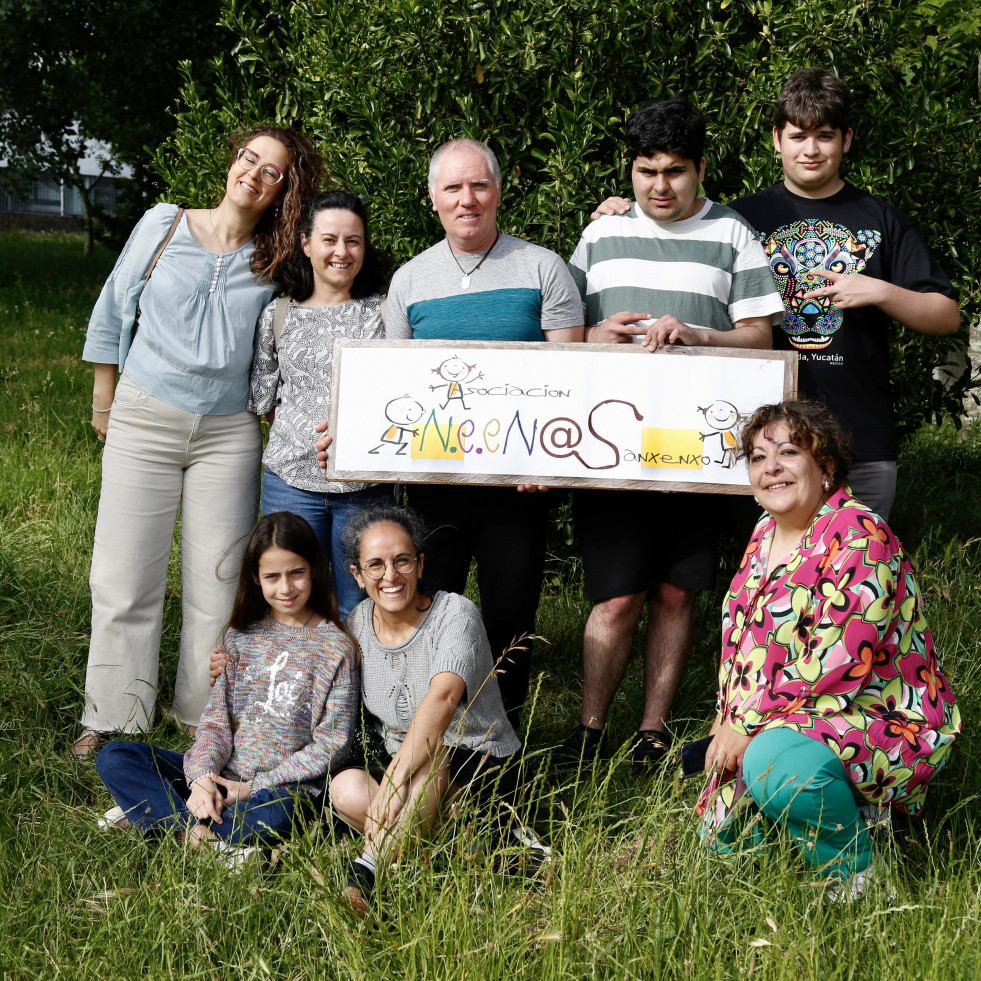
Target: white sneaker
[
  {"x": 850, "y": 889},
  {"x": 542, "y": 854},
  {"x": 110, "y": 820},
  {"x": 233, "y": 857},
  {"x": 853, "y": 888}
]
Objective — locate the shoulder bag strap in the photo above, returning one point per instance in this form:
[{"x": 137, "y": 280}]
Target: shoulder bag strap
[
  {"x": 170, "y": 234},
  {"x": 163, "y": 244}
]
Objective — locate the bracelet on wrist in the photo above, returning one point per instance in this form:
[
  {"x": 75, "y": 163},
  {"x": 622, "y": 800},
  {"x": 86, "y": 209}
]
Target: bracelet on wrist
[{"x": 94, "y": 409}]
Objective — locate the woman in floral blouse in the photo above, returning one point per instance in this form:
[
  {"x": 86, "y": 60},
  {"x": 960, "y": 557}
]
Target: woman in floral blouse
[
  {"x": 831, "y": 699},
  {"x": 332, "y": 282}
]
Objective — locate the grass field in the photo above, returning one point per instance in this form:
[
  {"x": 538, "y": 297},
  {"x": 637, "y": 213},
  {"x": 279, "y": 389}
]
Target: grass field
[{"x": 630, "y": 894}]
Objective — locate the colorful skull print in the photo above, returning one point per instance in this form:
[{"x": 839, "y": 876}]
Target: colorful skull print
[{"x": 814, "y": 244}]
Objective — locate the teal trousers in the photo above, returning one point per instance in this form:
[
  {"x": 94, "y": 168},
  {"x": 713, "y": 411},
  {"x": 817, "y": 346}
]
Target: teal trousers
[{"x": 799, "y": 784}]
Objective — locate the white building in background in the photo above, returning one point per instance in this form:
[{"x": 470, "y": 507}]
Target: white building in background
[{"x": 50, "y": 196}]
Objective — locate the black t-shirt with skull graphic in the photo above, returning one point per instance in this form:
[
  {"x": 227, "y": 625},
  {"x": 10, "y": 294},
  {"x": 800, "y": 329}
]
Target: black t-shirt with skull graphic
[{"x": 844, "y": 354}]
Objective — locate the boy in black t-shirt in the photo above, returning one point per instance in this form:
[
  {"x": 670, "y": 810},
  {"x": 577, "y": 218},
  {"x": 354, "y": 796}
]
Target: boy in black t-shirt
[{"x": 847, "y": 264}]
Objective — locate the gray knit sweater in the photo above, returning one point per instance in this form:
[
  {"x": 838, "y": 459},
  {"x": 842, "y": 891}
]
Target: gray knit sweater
[{"x": 451, "y": 638}]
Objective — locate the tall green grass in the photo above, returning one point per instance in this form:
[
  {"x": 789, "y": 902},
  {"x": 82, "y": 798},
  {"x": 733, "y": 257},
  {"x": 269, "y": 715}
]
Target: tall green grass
[{"x": 630, "y": 894}]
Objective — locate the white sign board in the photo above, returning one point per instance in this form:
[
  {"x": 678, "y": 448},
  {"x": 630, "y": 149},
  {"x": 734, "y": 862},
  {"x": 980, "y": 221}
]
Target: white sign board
[{"x": 604, "y": 415}]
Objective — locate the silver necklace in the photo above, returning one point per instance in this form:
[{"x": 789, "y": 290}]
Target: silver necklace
[
  {"x": 211, "y": 218},
  {"x": 465, "y": 282}
]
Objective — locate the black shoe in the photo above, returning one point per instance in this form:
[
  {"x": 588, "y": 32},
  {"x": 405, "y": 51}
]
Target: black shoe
[
  {"x": 360, "y": 886},
  {"x": 580, "y": 751},
  {"x": 650, "y": 750}
]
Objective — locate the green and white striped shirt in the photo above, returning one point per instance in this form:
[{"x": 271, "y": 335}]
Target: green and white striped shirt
[{"x": 709, "y": 270}]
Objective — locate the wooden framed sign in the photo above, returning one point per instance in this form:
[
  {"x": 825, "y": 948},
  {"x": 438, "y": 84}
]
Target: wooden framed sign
[{"x": 574, "y": 415}]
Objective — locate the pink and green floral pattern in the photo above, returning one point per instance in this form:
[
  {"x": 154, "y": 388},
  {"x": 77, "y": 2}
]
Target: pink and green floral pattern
[{"x": 835, "y": 645}]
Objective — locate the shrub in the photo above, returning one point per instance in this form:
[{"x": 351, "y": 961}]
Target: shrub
[{"x": 549, "y": 84}]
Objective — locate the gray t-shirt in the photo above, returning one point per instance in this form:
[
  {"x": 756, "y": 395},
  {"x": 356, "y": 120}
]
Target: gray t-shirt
[{"x": 395, "y": 680}]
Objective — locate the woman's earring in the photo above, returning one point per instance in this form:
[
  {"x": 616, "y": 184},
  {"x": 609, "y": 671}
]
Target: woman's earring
[{"x": 827, "y": 484}]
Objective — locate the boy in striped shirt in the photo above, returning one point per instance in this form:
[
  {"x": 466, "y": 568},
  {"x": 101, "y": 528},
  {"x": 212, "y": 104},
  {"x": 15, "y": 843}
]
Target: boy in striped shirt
[{"x": 676, "y": 269}]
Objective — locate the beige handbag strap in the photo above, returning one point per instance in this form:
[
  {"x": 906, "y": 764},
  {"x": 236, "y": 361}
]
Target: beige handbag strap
[
  {"x": 170, "y": 234},
  {"x": 163, "y": 244}
]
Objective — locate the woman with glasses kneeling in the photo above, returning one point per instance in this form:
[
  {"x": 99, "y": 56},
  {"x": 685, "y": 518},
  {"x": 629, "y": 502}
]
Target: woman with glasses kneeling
[
  {"x": 831, "y": 700},
  {"x": 427, "y": 679}
]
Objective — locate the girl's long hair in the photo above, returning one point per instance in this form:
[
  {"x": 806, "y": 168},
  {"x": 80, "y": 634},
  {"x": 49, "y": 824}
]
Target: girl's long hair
[
  {"x": 278, "y": 231},
  {"x": 295, "y": 276},
  {"x": 292, "y": 533}
]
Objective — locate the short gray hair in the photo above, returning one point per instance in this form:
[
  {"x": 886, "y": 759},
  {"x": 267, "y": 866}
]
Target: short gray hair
[{"x": 464, "y": 144}]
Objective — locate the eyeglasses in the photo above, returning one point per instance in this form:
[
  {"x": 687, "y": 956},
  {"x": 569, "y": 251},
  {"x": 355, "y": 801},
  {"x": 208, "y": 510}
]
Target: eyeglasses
[
  {"x": 268, "y": 174},
  {"x": 403, "y": 564}
]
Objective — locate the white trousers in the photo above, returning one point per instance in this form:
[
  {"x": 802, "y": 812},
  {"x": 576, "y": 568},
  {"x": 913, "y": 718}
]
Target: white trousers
[{"x": 159, "y": 459}]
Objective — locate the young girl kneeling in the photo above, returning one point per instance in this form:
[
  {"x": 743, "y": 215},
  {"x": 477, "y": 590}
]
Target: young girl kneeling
[{"x": 280, "y": 719}]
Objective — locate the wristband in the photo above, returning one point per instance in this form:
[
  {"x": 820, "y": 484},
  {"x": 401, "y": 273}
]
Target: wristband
[{"x": 94, "y": 409}]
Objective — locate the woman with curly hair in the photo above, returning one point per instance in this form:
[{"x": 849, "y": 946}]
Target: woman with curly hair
[
  {"x": 177, "y": 431},
  {"x": 832, "y": 707}
]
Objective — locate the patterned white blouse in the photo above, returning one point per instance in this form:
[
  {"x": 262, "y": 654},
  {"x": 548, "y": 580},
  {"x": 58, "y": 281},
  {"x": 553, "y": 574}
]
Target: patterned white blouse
[{"x": 297, "y": 383}]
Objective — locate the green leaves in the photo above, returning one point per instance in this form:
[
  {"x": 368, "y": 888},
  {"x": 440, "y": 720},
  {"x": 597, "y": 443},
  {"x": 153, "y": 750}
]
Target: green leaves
[{"x": 549, "y": 84}]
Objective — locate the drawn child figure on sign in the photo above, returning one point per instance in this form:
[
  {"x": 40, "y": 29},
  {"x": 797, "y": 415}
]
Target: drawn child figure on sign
[
  {"x": 403, "y": 413},
  {"x": 722, "y": 418},
  {"x": 455, "y": 371}
]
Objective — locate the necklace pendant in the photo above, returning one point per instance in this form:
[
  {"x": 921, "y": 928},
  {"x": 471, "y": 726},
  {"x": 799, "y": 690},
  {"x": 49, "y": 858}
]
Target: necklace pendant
[{"x": 465, "y": 283}]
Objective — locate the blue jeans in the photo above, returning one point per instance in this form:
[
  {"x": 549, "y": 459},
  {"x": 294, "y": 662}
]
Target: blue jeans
[
  {"x": 328, "y": 515},
  {"x": 148, "y": 784}
]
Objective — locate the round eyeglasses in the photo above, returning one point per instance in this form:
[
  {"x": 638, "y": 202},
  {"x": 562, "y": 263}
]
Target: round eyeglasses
[
  {"x": 402, "y": 564},
  {"x": 268, "y": 173}
]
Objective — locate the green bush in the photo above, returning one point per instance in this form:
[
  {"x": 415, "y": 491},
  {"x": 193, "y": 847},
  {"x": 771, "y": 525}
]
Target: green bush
[{"x": 549, "y": 84}]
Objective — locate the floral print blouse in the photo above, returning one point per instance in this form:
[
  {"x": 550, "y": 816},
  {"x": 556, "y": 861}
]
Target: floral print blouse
[{"x": 834, "y": 644}]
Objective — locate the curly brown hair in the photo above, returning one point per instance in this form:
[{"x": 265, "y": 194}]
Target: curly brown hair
[
  {"x": 278, "y": 230},
  {"x": 812, "y": 427}
]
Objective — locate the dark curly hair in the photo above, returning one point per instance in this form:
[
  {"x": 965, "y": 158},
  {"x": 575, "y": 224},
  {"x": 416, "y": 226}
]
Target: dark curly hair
[
  {"x": 812, "y": 427},
  {"x": 277, "y": 232},
  {"x": 671, "y": 126},
  {"x": 405, "y": 518},
  {"x": 295, "y": 276}
]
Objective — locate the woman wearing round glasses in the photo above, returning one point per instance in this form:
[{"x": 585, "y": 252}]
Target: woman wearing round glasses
[
  {"x": 427, "y": 679},
  {"x": 177, "y": 433},
  {"x": 332, "y": 281}
]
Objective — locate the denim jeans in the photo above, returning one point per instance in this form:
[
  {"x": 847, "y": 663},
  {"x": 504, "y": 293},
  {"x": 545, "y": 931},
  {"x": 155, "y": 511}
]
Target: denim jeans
[
  {"x": 148, "y": 784},
  {"x": 328, "y": 515}
]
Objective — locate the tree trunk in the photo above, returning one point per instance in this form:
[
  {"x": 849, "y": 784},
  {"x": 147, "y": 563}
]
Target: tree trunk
[{"x": 84, "y": 192}]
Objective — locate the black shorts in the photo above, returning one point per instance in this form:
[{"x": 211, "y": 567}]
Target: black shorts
[{"x": 631, "y": 540}]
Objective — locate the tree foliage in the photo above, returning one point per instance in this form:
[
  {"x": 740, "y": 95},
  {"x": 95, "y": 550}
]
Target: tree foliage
[
  {"x": 549, "y": 84},
  {"x": 77, "y": 71}
]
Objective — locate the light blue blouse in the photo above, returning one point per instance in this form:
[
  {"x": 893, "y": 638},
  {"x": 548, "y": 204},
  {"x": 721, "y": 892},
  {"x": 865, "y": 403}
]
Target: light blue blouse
[{"x": 193, "y": 348}]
